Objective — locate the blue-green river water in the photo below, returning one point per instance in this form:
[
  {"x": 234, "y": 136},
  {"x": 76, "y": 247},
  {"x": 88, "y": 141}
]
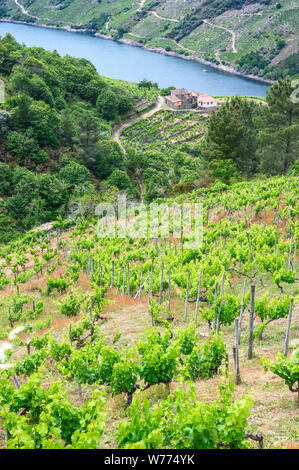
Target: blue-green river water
[{"x": 116, "y": 60}]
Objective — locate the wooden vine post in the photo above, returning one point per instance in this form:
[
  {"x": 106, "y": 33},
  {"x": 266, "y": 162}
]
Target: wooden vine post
[
  {"x": 197, "y": 298},
  {"x": 161, "y": 283},
  {"x": 152, "y": 312},
  {"x": 169, "y": 287},
  {"x": 187, "y": 294},
  {"x": 124, "y": 279},
  {"x": 79, "y": 390},
  {"x": 251, "y": 321},
  {"x": 241, "y": 312},
  {"x": 290, "y": 253},
  {"x": 236, "y": 353},
  {"x": 286, "y": 344},
  {"x": 218, "y": 317},
  {"x": 128, "y": 276},
  {"x": 112, "y": 274},
  {"x": 252, "y": 257},
  {"x": 141, "y": 285},
  {"x": 119, "y": 275},
  {"x": 150, "y": 284},
  {"x": 220, "y": 304},
  {"x": 215, "y": 300}
]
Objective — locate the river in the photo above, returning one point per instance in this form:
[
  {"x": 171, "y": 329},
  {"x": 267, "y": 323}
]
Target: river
[{"x": 117, "y": 60}]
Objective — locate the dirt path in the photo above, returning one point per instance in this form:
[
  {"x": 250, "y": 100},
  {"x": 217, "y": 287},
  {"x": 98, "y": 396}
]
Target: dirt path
[
  {"x": 24, "y": 11},
  {"x": 162, "y": 18},
  {"x": 141, "y": 5},
  {"x": 118, "y": 130},
  {"x": 234, "y": 49},
  {"x": 183, "y": 47}
]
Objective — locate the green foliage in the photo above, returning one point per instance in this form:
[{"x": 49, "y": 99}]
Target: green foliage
[
  {"x": 231, "y": 139},
  {"x": 187, "y": 339},
  {"x": 107, "y": 105},
  {"x": 205, "y": 360},
  {"x": 124, "y": 376},
  {"x": 119, "y": 179},
  {"x": 57, "y": 283},
  {"x": 74, "y": 174},
  {"x": 31, "y": 363},
  {"x": 5, "y": 179},
  {"x": 40, "y": 419},
  {"x": 279, "y": 128},
  {"x": 184, "y": 422},
  {"x": 50, "y": 114},
  {"x": 108, "y": 358},
  {"x": 229, "y": 307},
  {"x": 70, "y": 306},
  {"x": 159, "y": 359},
  {"x": 272, "y": 309},
  {"x": 286, "y": 368}
]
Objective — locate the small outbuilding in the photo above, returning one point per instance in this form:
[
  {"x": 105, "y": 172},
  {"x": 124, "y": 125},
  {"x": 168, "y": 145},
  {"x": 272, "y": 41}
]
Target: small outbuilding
[{"x": 183, "y": 99}]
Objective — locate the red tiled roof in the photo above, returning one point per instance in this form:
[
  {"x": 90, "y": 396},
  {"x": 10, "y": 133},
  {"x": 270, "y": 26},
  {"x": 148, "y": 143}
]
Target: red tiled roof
[
  {"x": 207, "y": 99},
  {"x": 180, "y": 91},
  {"x": 174, "y": 99}
]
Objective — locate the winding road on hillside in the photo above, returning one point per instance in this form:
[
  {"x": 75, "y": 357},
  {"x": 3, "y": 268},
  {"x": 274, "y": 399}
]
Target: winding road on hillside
[
  {"x": 24, "y": 11},
  {"x": 118, "y": 130},
  {"x": 234, "y": 49},
  {"x": 162, "y": 18},
  {"x": 141, "y": 5}
]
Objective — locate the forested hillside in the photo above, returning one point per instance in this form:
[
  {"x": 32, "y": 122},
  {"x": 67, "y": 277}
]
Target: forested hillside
[
  {"x": 254, "y": 37},
  {"x": 56, "y": 133}
]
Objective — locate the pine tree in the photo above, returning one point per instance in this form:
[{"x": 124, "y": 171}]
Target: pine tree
[
  {"x": 231, "y": 136},
  {"x": 87, "y": 137},
  {"x": 278, "y": 138}
]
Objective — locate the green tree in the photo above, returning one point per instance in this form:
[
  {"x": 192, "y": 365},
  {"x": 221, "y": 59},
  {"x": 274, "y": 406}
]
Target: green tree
[
  {"x": 107, "y": 105},
  {"x": 74, "y": 174},
  {"x": 10, "y": 53},
  {"x": 278, "y": 137},
  {"x": 87, "y": 136},
  {"x": 21, "y": 145},
  {"x": 125, "y": 103},
  {"x": 21, "y": 112},
  {"x": 109, "y": 156},
  {"x": 6, "y": 174},
  {"x": 66, "y": 129},
  {"x": 4, "y": 124},
  {"x": 231, "y": 136},
  {"x": 119, "y": 179}
]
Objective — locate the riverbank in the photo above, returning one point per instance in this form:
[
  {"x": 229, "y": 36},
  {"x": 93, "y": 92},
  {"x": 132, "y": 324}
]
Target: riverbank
[
  {"x": 130, "y": 42},
  {"x": 161, "y": 50}
]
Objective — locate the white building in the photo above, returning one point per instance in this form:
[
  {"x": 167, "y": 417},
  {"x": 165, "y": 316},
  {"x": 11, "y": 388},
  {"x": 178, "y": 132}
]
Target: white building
[{"x": 206, "y": 102}]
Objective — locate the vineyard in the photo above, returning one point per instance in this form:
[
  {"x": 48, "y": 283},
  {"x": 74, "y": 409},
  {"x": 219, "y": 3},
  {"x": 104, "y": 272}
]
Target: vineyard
[
  {"x": 165, "y": 131},
  {"x": 116, "y": 342}
]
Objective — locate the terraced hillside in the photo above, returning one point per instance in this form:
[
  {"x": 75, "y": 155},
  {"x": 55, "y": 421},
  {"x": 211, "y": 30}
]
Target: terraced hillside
[
  {"x": 165, "y": 131},
  {"x": 259, "y": 38},
  {"x": 90, "y": 324}
]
